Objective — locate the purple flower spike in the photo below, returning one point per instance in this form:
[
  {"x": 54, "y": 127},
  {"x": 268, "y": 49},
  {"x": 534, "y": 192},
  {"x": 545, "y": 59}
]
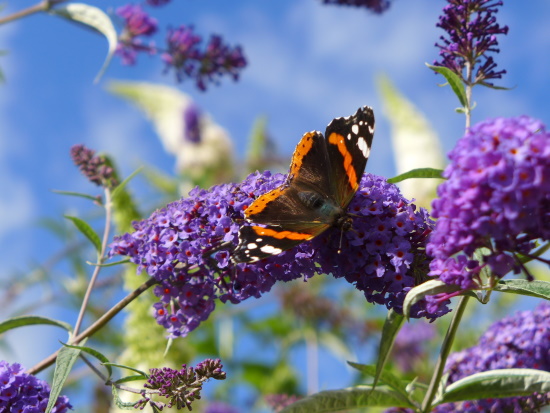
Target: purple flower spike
[
  {"x": 137, "y": 23},
  {"x": 180, "y": 388},
  {"x": 186, "y": 246},
  {"x": 472, "y": 31},
  {"x": 21, "y": 392},
  {"x": 157, "y": 3},
  {"x": 497, "y": 197},
  {"x": 376, "y": 6},
  {"x": 520, "y": 341},
  {"x": 188, "y": 60}
]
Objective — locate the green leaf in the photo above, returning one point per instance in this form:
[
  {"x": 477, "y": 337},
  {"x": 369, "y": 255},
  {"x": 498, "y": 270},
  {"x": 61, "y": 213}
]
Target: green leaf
[
  {"x": 497, "y": 384},
  {"x": 385, "y": 377},
  {"x": 454, "y": 81},
  {"x": 78, "y": 194},
  {"x": 32, "y": 320},
  {"x": 104, "y": 360},
  {"x": 346, "y": 399},
  {"x": 112, "y": 264},
  {"x": 539, "y": 289},
  {"x": 119, "y": 403},
  {"x": 87, "y": 230},
  {"x": 431, "y": 287},
  {"x": 417, "y": 173},
  {"x": 127, "y": 379},
  {"x": 392, "y": 325},
  {"x": 495, "y": 87},
  {"x": 123, "y": 184},
  {"x": 122, "y": 366},
  {"x": 95, "y": 19},
  {"x": 63, "y": 364}
]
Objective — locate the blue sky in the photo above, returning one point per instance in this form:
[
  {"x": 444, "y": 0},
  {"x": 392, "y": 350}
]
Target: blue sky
[{"x": 308, "y": 63}]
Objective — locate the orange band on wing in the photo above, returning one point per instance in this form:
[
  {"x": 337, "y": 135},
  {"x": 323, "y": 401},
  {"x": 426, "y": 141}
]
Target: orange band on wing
[
  {"x": 338, "y": 140},
  {"x": 297, "y": 236},
  {"x": 261, "y": 202},
  {"x": 303, "y": 147}
]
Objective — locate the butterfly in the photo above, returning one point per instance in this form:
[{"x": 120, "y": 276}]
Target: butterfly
[{"x": 324, "y": 176}]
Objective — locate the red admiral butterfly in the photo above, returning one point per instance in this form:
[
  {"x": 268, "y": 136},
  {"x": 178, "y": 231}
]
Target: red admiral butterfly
[{"x": 323, "y": 178}]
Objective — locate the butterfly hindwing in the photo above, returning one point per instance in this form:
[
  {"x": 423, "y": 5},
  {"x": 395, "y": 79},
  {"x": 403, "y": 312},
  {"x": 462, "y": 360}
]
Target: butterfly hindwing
[
  {"x": 262, "y": 242},
  {"x": 348, "y": 144}
]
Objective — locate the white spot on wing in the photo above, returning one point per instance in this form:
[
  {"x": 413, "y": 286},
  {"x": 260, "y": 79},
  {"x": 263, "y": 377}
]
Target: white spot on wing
[
  {"x": 269, "y": 249},
  {"x": 355, "y": 129},
  {"x": 259, "y": 239},
  {"x": 363, "y": 147},
  {"x": 251, "y": 246}
]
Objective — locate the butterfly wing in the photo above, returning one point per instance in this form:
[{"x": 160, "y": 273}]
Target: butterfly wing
[
  {"x": 348, "y": 145},
  {"x": 309, "y": 172},
  {"x": 256, "y": 243}
]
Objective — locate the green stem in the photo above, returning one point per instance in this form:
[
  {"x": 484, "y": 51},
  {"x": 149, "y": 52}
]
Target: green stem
[
  {"x": 100, "y": 260},
  {"x": 443, "y": 354},
  {"x": 42, "y": 6},
  {"x": 105, "y": 318}
]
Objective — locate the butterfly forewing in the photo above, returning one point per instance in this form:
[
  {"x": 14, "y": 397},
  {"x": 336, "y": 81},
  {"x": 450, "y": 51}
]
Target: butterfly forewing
[
  {"x": 348, "y": 144},
  {"x": 309, "y": 170}
]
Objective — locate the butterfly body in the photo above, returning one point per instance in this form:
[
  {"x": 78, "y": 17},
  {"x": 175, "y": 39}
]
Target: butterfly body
[{"x": 323, "y": 178}]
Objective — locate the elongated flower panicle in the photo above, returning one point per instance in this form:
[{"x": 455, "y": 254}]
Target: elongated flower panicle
[
  {"x": 138, "y": 24},
  {"x": 206, "y": 66},
  {"x": 376, "y": 6},
  {"x": 21, "y": 392},
  {"x": 179, "y": 387},
  {"x": 497, "y": 197},
  {"x": 383, "y": 255},
  {"x": 518, "y": 341},
  {"x": 95, "y": 168},
  {"x": 471, "y": 34}
]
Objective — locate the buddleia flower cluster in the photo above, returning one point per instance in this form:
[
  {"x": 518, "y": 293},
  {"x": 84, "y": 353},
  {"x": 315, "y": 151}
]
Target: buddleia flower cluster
[
  {"x": 187, "y": 246},
  {"x": 184, "y": 52},
  {"x": 471, "y": 35},
  {"x": 518, "y": 341},
  {"x": 376, "y": 6},
  {"x": 21, "y": 392},
  {"x": 180, "y": 388},
  {"x": 94, "y": 167},
  {"x": 496, "y": 198}
]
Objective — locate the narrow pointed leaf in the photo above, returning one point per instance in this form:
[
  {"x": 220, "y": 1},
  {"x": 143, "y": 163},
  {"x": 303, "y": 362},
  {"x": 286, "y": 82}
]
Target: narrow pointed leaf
[
  {"x": 78, "y": 194},
  {"x": 417, "y": 173},
  {"x": 63, "y": 365},
  {"x": 392, "y": 325},
  {"x": 122, "y": 366},
  {"x": 87, "y": 230},
  {"x": 118, "y": 401},
  {"x": 95, "y": 19},
  {"x": 123, "y": 184},
  {"x": 536, "y": 288},
  {"x": 32, "y": 320},
  {"x": 111, "y": 264},
  {"x": 103, "y": 359},
  {"x": 346, "y": 399},
  {"x": 127, "y": 379},
  {"x": 454, "y": 81},
  {"x": 385, "y": 377},
  {"x": 498, "y": 384}
]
